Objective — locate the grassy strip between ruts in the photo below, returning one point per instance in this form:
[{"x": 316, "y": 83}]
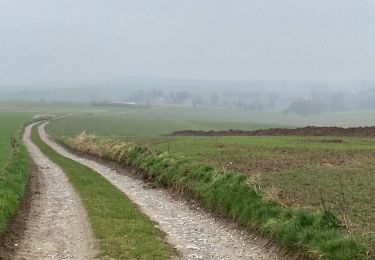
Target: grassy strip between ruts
[
  {"x": 13, "y": 181},
  {"x": 123, "y": 232},
  {"x": 317, "y": 235}
]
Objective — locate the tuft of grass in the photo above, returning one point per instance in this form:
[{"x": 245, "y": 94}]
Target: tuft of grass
[
  {"x": 316, "y": 234},
  {"x": 122, "y": 230}
]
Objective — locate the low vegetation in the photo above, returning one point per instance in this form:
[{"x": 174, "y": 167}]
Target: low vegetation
[
  {"x": 314, "y": 173},
  {"x": 314, "y": 233},
  {"x": 336, "y": 174},
  {"x": 157, "y": 121},
  {"x": 14, "y": 167},
  {"x": 123, "y": 232},
  {"x": 311, "y": 173}
]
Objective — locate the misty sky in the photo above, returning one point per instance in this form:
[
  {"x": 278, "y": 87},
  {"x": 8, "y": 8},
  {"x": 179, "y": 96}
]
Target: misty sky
[{"x": 69, "y": 40}]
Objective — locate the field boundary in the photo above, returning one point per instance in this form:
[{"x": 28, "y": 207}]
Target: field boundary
[
  {"x": 316, "y": 235},
  {"x": 368, "y": 131},
  {"x": 15, "y": 181}
]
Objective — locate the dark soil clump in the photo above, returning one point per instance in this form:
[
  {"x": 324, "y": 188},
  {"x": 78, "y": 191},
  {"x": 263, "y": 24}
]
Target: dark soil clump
[{"x": 303, "y": 131}]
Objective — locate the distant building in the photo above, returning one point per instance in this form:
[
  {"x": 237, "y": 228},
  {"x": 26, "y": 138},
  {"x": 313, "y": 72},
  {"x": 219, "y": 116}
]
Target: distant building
[{"x": 118, "y": 104}]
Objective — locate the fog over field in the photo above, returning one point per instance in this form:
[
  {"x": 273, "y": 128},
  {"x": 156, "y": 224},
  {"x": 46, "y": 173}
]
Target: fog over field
[{"x": 300, "y": 56}]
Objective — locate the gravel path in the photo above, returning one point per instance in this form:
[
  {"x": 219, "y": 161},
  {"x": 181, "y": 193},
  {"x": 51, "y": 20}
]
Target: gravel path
[
  {"x": 196, "y": 234},
  {"x": 57, "y": 227}
]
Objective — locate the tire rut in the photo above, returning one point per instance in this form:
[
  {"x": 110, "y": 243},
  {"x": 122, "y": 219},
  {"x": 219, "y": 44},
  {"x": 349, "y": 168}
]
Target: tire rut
[{"x": 57, "y": 226}]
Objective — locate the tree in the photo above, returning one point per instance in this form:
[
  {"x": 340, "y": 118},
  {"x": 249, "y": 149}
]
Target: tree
[
  {"x": 214, "y": 99},
  {"x": 180, "y": 97},
  {"x": 307, "y": 106}
]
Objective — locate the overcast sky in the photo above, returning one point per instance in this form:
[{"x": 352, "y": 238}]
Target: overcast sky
[{"x": 64, "y": 40}]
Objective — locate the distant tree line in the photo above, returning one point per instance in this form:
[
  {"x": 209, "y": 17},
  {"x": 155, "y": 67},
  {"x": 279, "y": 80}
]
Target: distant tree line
[{"x": 314, "y": 103}]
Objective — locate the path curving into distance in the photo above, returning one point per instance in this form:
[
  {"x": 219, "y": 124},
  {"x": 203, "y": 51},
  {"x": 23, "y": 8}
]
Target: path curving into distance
[
  {"x": 195, "y": 234},
  {"x": 57, "y": 226}
]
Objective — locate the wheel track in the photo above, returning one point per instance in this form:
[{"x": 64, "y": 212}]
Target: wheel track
[{"x": 57, "y": 226}]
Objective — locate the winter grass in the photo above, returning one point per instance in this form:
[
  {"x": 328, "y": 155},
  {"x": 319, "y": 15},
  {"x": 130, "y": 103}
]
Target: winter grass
[{"x": 315, "y": 234}]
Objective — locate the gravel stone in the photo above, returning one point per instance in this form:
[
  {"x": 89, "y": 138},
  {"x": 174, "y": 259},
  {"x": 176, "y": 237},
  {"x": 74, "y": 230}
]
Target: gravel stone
[{"x": 58, "y": 227}]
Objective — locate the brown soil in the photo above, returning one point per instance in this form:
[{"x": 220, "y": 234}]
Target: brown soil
[
  {"x": 12, "y": 237},
  {"x": 304, "y": 131}
]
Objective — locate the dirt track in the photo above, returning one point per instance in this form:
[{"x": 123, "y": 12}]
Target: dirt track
[
  {"x": 195, "y": 234},
  {"x": 304, "y": 131},
  {"x": 57, "y": 226}
]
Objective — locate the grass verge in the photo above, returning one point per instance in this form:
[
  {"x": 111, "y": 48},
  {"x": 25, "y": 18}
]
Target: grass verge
[
  {"x": 122, "y": 230},
  {"x": 315, "y": 234},
  {"x": 13, "y": 181}
]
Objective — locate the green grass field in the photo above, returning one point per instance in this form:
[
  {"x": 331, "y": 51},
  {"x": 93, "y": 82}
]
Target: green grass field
[
  {"x": 153, "y": 122},
  {"x": 303, "y": 172},
  {"x": 14, "y": 166},
  {"x": 314, "y": 233},
  {"x": 44, "y": 107},
  {"x": 300, "y": 173},
  {"x": 311, "y": 173},
  {"x": 9, "y": 124}
]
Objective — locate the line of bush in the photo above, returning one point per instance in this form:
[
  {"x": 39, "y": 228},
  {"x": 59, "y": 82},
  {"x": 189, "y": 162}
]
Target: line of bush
[{"x": 313, "y": 234}]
